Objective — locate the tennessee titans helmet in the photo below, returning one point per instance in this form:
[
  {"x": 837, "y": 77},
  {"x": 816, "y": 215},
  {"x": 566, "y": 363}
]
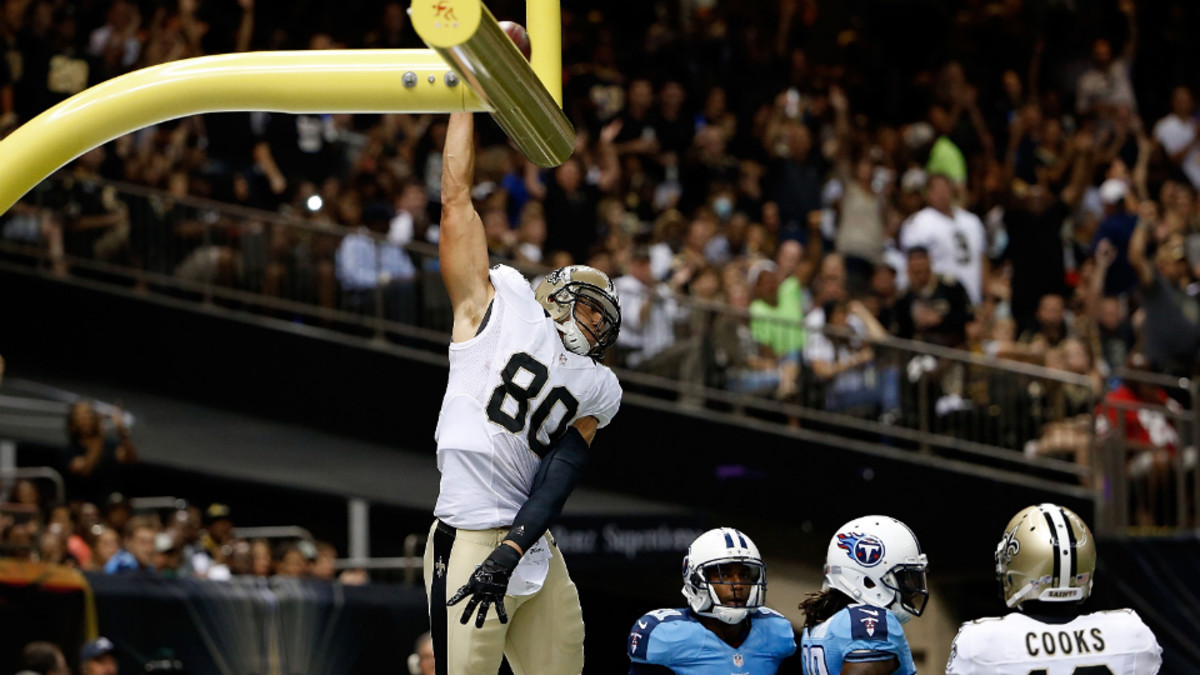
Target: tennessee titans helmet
[
  {"x": 710, "y": 562},
  {"x": 877, "y": 560}
]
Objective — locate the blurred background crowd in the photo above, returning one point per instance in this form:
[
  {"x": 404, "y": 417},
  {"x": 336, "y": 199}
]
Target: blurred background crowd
[
  {"x": 776, "y": 187},
  {"x": 94, "y": 527}
]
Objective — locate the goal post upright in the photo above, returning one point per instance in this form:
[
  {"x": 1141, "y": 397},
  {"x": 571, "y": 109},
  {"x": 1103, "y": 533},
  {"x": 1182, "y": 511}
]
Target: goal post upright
[{"x": 476, "y": 70}]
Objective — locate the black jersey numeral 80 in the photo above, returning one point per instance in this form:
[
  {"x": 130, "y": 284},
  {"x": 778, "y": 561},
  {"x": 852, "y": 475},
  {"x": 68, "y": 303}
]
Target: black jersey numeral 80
[
  {"x": 1080, "y": 670},
  {"x": 508, "y": 388}
]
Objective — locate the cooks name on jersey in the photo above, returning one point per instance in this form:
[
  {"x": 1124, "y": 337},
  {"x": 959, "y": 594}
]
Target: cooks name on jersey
[{"x": 1063, "y": 642}]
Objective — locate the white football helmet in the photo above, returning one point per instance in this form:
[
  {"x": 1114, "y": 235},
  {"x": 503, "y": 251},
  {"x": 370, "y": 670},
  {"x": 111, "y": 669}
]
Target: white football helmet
[
  {"x": 563, "y": 289},
  {"x": 711, "y": 555},
  {"x": 877, "y": 560}
]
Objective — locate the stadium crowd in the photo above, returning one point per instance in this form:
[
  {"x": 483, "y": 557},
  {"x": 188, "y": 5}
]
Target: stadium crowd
[
  {"x": 94, "y": 527},
  {"x": 775, "y": 187}
]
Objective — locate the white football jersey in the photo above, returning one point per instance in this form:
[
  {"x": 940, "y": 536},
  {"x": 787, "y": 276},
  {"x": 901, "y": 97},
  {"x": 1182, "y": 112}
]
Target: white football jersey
[
  {"x": 1101, "y": 643},
  {"x": 956, "y": 245},
  {"x": 513, "y": 389}
]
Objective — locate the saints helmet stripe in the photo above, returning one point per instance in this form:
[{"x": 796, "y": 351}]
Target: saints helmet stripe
[
  {"x": 1071, "y": 546},
  {"x": 1057, "y": 573},
  {"x": 1063, "y": 553}
]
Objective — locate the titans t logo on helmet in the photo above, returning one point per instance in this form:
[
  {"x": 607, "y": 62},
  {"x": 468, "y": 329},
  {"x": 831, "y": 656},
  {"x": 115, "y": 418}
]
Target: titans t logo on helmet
[{"x": 867, "y": 550}]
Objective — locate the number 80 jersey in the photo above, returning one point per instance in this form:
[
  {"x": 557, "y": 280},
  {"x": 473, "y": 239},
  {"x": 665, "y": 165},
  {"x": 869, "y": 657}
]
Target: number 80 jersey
[{"x": 513, "y": 390}]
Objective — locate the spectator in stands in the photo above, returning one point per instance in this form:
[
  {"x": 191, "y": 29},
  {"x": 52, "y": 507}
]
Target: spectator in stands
[
  {"x": 421, "y": 661},
  {"x": 137, "y": 554},
  {"x": 1033, "y": 223},
  {"x": 934, "y": 309},
  {"x": 98, "y": 222},
  {"x": 43, "y": 658},
  {"x": 1136, "y": 410},
  {"x": 860, "y": 230},
  {"x": 531, "y": 234},
  {"x": 263, "y": 560},
  {"x": 1068, "y": 408},
  {"x": 116, "y": 44},
  {"x": 638, "y": 136},
  {"x": 1052, "y": 326},
  {"x": 841, "y": 358},
  {"x": 52, "y": 547},
  {"x": 324, "y": 567},
  {"x": 1171, "y": 328},
  {"x": 1116, "y": 228},
  {"x": 953, "y": 238},
  {"x": 217, "y": 535},
  {"x": 108, "y": 544},
  {"x": 168, "y": 556},
  {"x": 93, "y": 460},
  {"x": 368, "y": 264},
  {"x": 776, "y": 323},
  {"x": 77, "y": 531},
  {"x": 411, "y": 220},
  {"x": 185, "y": 525},
  {"x": 650, "y": 314},
  {"x": 26, "y": 493},
  {"x": 796, "y": 172},
  {"x": 572, "y": 195},
  {"x": 882, "y": 295},
  {"x": 1176, "y": 134},
  {"x": 1108, "y": 83},
  {"x": 1114, "y": 334},
  {"x": 241, "y": 558},
  {"x": 291, "y": 561},
  {"x": 98, "y": 658}
]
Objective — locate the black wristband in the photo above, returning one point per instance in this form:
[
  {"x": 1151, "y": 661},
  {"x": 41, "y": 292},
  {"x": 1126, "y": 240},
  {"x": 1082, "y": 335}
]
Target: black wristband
[{"x": 505, "y": 556}]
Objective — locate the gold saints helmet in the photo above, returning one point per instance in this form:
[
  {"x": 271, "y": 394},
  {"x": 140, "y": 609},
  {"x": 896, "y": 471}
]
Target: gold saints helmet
[
  {"x": 1047, "y": 554},
  {"x": 566, "y": 287}
]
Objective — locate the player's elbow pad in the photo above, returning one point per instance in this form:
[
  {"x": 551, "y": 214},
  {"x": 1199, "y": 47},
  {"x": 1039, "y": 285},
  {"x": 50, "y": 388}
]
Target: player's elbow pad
[{"x": 556, "y": 478}]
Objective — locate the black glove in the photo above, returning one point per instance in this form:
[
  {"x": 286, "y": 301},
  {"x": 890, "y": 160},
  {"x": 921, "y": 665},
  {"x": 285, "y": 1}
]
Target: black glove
[{"x": 488, "y": 585}]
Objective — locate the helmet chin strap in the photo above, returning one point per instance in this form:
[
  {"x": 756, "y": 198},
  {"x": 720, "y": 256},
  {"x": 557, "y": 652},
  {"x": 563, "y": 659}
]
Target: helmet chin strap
[
  {"x": 729, "y": 615},
  {"x": 573, "y": 338}
]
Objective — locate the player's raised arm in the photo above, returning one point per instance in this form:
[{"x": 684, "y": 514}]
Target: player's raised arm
[{"x": 462, "y": 246}]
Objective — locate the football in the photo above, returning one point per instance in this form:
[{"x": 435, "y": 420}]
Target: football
[{"x": 516, "y": 33}]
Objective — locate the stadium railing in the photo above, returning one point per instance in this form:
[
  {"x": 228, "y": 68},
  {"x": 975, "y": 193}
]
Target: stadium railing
[{"x": 1019, "y": 422}]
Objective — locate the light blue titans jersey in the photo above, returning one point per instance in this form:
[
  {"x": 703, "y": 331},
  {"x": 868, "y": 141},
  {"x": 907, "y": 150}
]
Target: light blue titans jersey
[
  {"x": 857, "y": 633},
  {"x": 675, "y": 639}
]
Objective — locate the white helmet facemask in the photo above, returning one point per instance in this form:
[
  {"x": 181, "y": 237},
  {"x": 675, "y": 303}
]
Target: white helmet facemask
[
  {"x": 723, "y": 557},
  {"x": 573, "y": 336}
]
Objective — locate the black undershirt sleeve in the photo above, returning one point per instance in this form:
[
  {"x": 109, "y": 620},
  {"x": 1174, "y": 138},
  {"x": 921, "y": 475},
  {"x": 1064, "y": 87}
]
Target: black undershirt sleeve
[{"x": 556, "y": 478}]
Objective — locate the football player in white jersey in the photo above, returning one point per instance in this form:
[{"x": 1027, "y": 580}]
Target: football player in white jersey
[
  {"x": 525, "y": 396},
  {"x": 1046, "y": 563}
]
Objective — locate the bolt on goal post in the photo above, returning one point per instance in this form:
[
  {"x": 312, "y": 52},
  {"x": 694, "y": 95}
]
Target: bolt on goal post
[{"x": 472, "y": 67}]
